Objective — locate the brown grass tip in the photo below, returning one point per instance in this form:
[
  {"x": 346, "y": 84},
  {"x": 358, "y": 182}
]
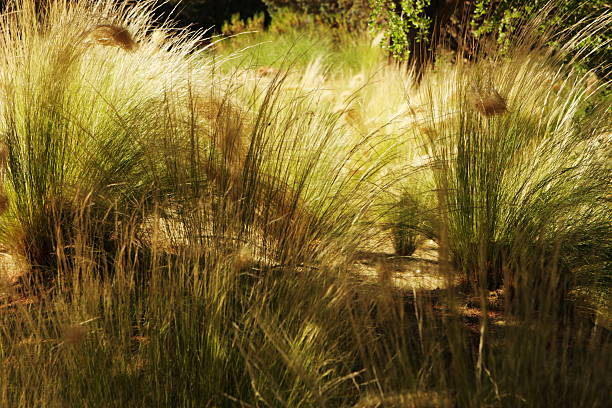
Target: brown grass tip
[
  {"x": 112, "y": 36},
  {"x": 488, "y": 103},
  {"x": 267, "y": 71}
]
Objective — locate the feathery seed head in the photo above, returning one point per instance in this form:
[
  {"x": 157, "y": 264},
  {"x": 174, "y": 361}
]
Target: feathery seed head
[
  {"x": 112, "y": 36},
  {"x": 267, "y": 71},
  {"x": 488, "y": 102}
]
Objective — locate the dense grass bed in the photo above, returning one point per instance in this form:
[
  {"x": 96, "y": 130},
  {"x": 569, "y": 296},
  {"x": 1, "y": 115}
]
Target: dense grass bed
[{"x": 285, "y": 219}]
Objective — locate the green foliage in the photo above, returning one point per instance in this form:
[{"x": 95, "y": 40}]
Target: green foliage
[
  {"x": 308, "y": 6},
  {"x": 398, "y": 21},
  {"x": 501, "y": 18},
  {"x": 237, "y": 25},
  {"x": 408, "y": 20},
  {"x": 302, "y": 39},
  {"x": 348, "y": 14}
]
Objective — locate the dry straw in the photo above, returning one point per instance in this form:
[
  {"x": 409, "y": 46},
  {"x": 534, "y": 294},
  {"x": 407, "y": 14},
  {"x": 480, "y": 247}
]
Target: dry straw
[
  {"x": 4, "y": 201},
  {"x": 4, "y": 154},
  {"x": 73, "y": 334},
  {"x": 112, "y": 36}
]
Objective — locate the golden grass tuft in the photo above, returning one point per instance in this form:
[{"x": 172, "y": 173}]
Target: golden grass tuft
[
  {"x": 4, "y": 154},
  {"x": 112, "y": 36},
  {"x": 430, "y": 399}
]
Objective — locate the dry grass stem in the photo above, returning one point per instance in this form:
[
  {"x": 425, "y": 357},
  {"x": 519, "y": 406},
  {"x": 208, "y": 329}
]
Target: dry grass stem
[{"x": 4, "y": 201}]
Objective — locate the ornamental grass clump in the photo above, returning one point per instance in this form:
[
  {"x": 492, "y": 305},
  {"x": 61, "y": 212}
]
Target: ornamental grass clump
[
  {"x": 230, "y": 172},
  {"x": 89, "y": 126},
  {"x": 521, "y": 173},
  {"x": 75, "y": 117},
  {"x": 4, "y": 200}
]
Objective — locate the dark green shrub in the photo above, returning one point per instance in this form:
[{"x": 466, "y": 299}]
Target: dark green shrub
[
  {"x": 238, "y": 25},
  {"x": 347, "y": 14},
  {"x": 415, "y": 28}
]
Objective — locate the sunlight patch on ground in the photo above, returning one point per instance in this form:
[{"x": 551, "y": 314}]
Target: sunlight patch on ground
[{"x": 420, "y": 271}]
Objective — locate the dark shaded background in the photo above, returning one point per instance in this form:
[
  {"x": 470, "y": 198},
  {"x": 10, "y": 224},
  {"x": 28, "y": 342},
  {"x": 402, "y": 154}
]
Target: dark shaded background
[
  {"x": 204, "y": 14},
  {"x": 201, "y": 14}
]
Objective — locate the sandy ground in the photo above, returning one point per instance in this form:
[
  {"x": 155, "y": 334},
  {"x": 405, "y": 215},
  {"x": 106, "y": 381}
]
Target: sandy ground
[{"x": 421, "y": 271}]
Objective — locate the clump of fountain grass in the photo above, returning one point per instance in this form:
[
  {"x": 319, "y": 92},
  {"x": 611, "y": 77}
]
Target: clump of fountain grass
[
  {"x": 405, "y": 226},
  {"x": 74, "y": 118},
  {"x": 259, "y": 325},
  {"x": 513, "y": 170}
]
